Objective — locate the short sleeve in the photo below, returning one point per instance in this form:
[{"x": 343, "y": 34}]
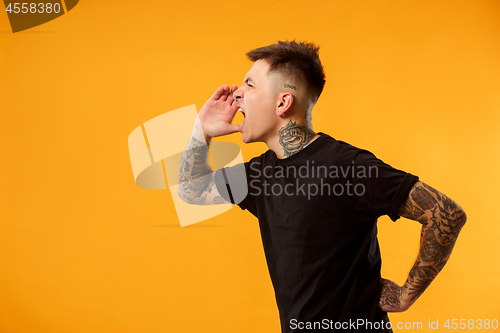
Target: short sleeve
[
  {"x": 232, "y": 184},
  {"x": 380, "y": 188}
]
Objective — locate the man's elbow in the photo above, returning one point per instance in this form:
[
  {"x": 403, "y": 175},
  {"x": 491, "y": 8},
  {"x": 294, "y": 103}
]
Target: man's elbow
[
  {"x": 460, "y": 217},
  {"x": 464, "y": 215},
  {"x": 451, "y": 211}
]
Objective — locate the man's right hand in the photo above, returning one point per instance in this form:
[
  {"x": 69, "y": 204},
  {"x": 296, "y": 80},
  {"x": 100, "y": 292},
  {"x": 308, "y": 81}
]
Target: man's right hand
[{"x": 217, "y": 114}]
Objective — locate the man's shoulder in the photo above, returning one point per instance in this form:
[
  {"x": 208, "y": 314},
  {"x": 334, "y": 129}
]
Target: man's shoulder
[
  {"x": 268, "y": 156},
  {"x": 341, "y": 148}
]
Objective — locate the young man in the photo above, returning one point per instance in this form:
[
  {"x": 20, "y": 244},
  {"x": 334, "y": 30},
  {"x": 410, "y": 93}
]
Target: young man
[{"x": 317, "y": 199}]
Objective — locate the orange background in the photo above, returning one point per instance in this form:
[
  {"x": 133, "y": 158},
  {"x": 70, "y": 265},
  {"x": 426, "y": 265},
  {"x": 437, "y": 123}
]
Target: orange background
[{"x": 83, "y": 249}]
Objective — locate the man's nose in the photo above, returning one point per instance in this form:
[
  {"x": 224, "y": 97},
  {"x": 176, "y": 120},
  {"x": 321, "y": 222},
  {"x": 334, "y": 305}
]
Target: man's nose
[{"x": 238, "y": 93}]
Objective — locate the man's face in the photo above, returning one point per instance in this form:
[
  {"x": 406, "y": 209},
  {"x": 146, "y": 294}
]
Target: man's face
[{"x": 258, "y": 97}]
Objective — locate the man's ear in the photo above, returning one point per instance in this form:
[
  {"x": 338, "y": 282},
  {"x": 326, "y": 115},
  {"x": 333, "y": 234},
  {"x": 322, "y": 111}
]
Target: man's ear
[{"x": 284, "y": 104}]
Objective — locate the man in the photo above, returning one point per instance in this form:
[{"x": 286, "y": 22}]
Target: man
[{"x": 317, "y": 199}]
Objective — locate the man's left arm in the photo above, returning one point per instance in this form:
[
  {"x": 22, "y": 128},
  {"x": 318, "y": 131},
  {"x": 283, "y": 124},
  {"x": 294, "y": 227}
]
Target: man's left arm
[{"x": 441, "y": 219}]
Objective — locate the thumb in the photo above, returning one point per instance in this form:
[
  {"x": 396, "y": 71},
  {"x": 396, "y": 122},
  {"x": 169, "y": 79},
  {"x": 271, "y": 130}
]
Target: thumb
[{"x": 233, "y": 128}]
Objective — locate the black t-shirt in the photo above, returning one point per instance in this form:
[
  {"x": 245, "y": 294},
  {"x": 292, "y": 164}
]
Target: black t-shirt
[{"x": 317, "y": 212}]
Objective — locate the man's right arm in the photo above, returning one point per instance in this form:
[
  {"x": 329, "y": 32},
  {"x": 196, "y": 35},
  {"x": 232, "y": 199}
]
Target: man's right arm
[{"x": 196, "y": 177}]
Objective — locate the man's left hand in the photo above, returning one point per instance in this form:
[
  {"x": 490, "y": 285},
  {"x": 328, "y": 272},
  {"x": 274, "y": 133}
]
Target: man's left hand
[{"x": 392, "y": 297}]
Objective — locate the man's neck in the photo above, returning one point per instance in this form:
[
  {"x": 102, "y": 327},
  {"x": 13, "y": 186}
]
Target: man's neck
[{"x": 291, "y": 139}]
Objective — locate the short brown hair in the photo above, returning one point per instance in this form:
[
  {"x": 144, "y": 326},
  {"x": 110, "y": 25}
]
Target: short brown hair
[{"x": 298, "y": 60}]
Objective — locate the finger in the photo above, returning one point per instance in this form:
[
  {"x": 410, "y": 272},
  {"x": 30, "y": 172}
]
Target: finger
[
  {"x": 225, "y": 93},
  {"x": 233, "y": 89},
  {"x": 233, "y": 103},
  {"x": 231, "y": 98},
  {"x": 218, "y": 93},
  {"x": 233, "y": 128}
]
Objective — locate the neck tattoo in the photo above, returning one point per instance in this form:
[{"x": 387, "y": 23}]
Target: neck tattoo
[{"x": 294, "y": 138}]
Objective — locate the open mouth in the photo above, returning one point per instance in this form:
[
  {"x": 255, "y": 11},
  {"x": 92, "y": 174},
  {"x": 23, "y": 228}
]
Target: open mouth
[{"x": 242, "y": 112}]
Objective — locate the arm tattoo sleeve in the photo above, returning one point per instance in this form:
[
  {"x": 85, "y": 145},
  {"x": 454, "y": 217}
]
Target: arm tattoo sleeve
[
  {"x": 442, "y": 219},
  {"x": 196, "y": 179}
]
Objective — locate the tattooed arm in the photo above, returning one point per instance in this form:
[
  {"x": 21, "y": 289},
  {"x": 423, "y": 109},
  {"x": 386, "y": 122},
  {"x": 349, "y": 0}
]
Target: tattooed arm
[
  {"x": 196, "y": 179},
  {"x": 441, "y": 219}
]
